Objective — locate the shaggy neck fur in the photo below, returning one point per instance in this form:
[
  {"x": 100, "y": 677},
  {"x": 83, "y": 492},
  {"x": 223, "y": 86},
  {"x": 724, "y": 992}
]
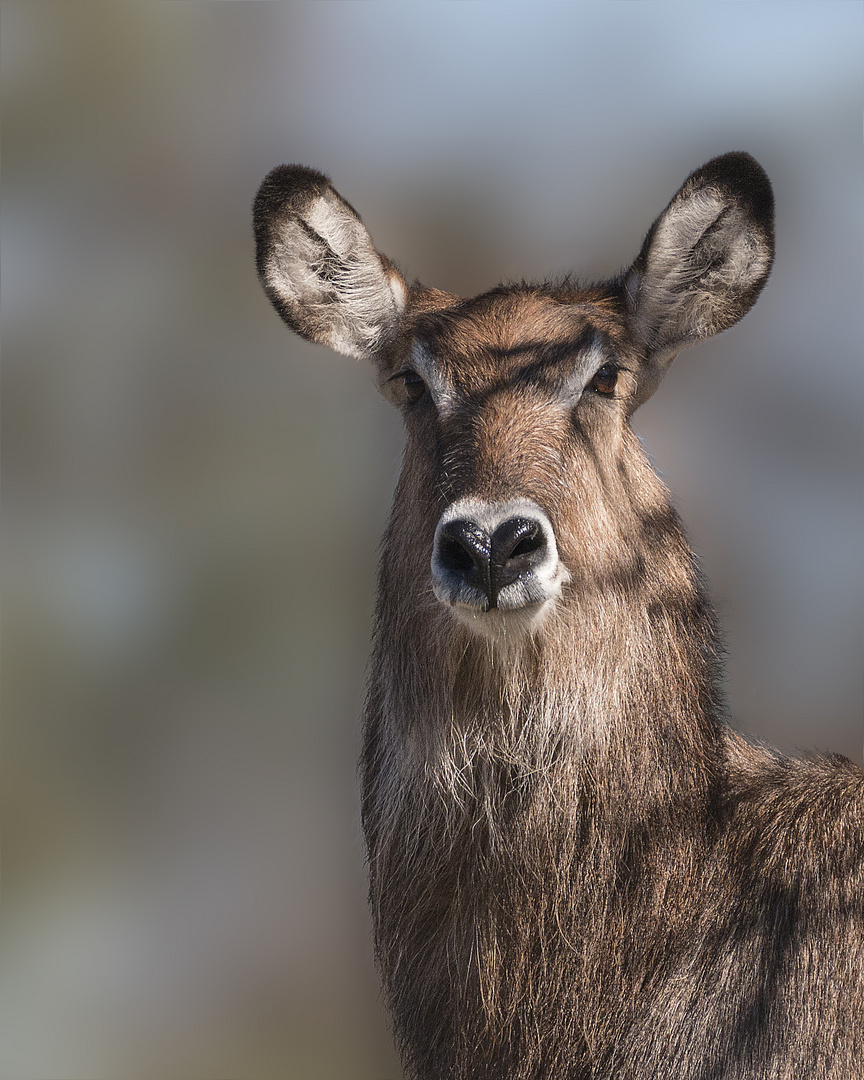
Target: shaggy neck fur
[{"x": 525, "y": 809}]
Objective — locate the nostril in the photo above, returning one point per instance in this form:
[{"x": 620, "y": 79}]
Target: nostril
[
  {"x": 518, "y": 545},
  {"x": 463, "y": 549},
  {"x": 528, "y": 545},
  {"x": 453, "y": 556},
  {"x": 517, "y": 538}
]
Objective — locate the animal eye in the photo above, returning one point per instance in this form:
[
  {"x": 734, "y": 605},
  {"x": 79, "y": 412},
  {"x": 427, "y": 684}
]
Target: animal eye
[
  {"x": 605, "y": 379},
  {"x": 415, "y": 388}
]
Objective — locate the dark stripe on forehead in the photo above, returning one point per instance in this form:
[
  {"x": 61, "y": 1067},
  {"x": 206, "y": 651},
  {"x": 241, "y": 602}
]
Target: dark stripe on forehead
[{"x": 525, "y": 338}]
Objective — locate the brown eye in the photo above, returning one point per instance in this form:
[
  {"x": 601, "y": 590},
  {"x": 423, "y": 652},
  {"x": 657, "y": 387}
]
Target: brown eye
[
  {"x": 415, "y": 388},
  {"x": 605, "y": 379}
]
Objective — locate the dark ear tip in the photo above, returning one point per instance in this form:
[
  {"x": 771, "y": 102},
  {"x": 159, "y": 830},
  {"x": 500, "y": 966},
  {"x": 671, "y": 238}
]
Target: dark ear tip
[
  {"x": 287, "y": 179},
  {"x": 287, "y": 187},
  {"x": 743, "y": 176}
]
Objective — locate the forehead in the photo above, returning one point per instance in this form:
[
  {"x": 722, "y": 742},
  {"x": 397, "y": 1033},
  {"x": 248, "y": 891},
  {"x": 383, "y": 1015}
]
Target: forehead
[{"x": 508, "y": 334}]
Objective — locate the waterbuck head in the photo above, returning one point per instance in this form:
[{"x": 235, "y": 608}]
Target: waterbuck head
[{"x": 522, "y": 481}]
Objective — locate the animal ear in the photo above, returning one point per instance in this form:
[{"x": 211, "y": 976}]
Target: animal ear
[
  {"x": 703, "y": 263},
  {"x": 319, "y": 267}
]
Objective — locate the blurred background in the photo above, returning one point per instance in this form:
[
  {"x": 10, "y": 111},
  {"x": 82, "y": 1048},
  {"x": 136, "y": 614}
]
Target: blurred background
[{"x": 183, "y": 667}]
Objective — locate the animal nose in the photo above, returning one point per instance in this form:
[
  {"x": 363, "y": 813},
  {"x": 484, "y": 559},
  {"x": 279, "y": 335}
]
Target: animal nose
[{"x": 490, "y": 561}]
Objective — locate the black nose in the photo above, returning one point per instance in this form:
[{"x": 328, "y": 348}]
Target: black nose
[{"x": 491, "y": 562}]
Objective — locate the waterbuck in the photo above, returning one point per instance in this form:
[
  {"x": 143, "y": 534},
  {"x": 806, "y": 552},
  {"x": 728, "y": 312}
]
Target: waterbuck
[{"x": 576, "y": 868}]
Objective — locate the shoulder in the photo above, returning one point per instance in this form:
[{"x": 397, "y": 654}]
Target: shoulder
[{"x": 799, "y": 819}]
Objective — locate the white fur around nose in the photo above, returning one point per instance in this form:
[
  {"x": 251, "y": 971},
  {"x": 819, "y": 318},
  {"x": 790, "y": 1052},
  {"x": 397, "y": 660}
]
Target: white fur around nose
[{"x": 522, "y": 604}]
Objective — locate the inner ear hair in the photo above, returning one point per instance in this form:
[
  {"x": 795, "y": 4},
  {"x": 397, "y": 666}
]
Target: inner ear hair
[
  {"x": 319, "y": 267},
  {"x": 705, "y": 259}
]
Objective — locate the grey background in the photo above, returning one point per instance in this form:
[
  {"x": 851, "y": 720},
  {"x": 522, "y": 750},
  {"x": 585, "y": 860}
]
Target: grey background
[{"x": 193, "y": 497}]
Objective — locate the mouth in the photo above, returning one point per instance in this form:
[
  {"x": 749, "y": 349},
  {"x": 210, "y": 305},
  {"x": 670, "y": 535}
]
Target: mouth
[{"x": 502, "y": 626}]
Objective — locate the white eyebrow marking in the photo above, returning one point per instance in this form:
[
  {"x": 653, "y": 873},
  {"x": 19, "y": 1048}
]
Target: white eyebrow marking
[
  {"x": 588, "y": 360},
  {"x": 443, "y": 394}
]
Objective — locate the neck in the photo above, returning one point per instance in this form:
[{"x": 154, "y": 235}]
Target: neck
[{"x": 513, "y": 801}]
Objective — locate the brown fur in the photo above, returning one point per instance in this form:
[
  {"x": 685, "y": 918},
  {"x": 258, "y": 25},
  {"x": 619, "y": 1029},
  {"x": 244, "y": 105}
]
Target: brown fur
[{"x": 576, "y": 869}]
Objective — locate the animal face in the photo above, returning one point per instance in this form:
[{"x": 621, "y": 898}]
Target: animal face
[
  {"x": 516, "y": 408},
  {"x": 522, "y": 477}
]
